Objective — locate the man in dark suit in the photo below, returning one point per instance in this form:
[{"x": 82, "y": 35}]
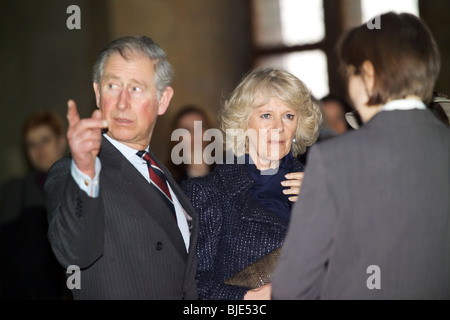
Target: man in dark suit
[
  {"x": 132, "y": 237},
  {"x": 373, "y": 218}
]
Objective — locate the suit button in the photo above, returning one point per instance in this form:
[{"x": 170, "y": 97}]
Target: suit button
[{"x": 159, "y": 246}]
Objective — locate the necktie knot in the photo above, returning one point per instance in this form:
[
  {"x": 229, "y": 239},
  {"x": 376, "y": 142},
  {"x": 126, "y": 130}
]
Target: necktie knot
[{"x": 142, "y": 154}]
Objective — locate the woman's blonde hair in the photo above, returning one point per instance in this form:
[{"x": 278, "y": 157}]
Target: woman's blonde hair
[{"x": 255, "y": 90}]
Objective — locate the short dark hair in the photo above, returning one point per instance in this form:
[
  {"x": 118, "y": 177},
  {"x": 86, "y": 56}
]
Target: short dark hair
[
  {"x": 47, "y": 118},
  {"x": 404, "y": 55}
]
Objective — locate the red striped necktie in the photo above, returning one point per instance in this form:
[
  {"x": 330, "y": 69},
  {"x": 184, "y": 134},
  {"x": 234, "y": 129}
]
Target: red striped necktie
[{"x": 158, "y": 179}]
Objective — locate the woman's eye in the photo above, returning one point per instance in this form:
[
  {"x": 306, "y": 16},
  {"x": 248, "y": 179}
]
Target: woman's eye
[
  {"x": 290, "y": 116},
  {"x": 265, "y": 116}
]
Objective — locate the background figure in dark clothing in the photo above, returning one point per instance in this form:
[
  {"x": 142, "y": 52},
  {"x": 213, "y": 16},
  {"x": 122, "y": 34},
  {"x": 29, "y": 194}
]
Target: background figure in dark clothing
[
  {"x": 28, "y": 268},
  {"x": 187, "y": 118}
]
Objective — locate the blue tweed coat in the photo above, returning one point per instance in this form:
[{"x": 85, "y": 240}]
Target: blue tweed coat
[{"x": 234, "y": 229}]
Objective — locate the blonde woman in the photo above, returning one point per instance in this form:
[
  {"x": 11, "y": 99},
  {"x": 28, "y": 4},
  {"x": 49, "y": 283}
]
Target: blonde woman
[{"x": 244, "y": 207}]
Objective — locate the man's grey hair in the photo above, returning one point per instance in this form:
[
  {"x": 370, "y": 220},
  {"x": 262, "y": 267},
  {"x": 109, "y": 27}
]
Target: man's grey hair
[{"x": 137, "y": 45}]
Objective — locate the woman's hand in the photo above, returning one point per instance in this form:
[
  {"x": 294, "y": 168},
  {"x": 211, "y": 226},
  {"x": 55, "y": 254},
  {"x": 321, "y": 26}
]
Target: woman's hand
[
  {"x": 262, "y": 293},
  {"x": 294, "y": 181}
]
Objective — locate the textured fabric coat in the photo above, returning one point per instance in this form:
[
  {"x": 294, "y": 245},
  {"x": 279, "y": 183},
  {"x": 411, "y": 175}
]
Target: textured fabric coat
[
  {"x": 235, "y": 230},
  {"x": 126, "y": 241}
]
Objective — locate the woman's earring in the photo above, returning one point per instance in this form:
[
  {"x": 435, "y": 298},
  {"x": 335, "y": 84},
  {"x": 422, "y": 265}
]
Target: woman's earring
[{"x": 293, "y": 140}]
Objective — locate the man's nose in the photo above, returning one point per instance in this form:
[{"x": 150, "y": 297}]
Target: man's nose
[{"x": 123, "y": 101}]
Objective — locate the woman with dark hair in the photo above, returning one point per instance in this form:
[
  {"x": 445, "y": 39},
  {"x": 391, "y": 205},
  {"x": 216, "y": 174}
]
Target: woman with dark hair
[
  {"x": 196, "y": 121},
  {"x": 373, "y": 219},
  {"x": 28, "y": 268}
]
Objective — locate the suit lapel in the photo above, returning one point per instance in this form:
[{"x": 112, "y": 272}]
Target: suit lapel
[
  {"x": 185, "y": 203},
  {"x": 119, "y": 169}
]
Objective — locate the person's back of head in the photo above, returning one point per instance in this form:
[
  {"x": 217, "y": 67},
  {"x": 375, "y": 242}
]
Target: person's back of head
[{"x": 404, "y": 55}]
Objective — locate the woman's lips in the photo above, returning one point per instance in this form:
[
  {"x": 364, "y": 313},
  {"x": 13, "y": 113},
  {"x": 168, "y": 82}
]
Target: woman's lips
[{"x": 278, "y": 142}]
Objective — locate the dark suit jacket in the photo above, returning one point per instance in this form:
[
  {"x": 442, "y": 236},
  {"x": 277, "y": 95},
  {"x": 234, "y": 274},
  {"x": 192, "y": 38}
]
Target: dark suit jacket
[
  {"x": 125, "y": 241},
  {"x": 235, "y": 229},
  {"x": 380, "y": 197}
]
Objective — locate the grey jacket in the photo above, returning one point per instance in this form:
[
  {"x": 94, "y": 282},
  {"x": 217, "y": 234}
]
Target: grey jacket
[{"x": 373, "y": 217}]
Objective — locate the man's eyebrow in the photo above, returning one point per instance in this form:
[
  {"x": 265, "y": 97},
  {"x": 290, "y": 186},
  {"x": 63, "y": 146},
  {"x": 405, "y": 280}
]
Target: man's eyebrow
[
  {"x": 108, "y": 77},
  {"x": 141, "y": 83}
]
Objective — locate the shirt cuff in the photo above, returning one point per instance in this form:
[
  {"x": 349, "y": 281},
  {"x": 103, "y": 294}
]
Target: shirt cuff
[{"x": 88, "y": 185}]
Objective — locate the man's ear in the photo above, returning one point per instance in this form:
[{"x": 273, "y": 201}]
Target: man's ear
[
  {"x": 368, "y": 74},
  {"x": 97, "y": 93},
  {"x": 164, "y": 100}
]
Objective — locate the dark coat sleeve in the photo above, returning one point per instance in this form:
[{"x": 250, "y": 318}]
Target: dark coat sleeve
[{"x": 76, "y": 221}]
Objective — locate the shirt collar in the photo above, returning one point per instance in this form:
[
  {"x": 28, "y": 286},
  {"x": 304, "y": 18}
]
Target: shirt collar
[
  {"x": 125, "y": 150},
  {"x": 403, "y": 104}
]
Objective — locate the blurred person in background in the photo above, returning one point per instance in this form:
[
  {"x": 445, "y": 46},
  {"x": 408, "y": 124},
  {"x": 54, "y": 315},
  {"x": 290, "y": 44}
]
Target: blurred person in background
[
  {"x": 28, "y": 268},
  {"x": 190, "y": 118},
  {"x": 333, "y": 109}
]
